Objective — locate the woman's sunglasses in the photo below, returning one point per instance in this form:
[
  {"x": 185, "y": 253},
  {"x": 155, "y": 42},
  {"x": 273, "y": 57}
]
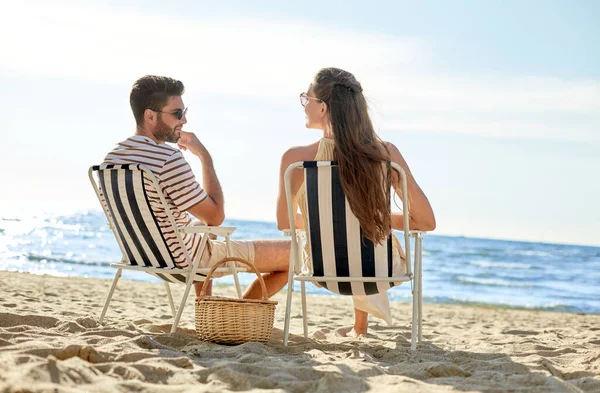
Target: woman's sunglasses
[{"x": 304, "y": 99}]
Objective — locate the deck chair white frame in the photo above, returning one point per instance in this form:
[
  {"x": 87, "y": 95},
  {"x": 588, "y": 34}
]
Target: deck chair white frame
[
  {"x": 127, "y": 183},
  {"x": 295, "y": 273}
]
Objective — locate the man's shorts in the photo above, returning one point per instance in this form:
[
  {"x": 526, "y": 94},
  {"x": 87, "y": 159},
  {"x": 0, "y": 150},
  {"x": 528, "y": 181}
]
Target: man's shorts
[{"x": 217, "y": 250}]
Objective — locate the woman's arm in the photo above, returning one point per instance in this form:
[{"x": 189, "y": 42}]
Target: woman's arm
[
  {"x": 289, "y": 157},
  {"x": 421, "y": 215}
]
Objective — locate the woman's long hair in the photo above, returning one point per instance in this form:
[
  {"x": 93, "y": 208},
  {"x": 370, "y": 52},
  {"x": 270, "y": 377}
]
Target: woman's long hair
[{"x": 362, "y": 158}]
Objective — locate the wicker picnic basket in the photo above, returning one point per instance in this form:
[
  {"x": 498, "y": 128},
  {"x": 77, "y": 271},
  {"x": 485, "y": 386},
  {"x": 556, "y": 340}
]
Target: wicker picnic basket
[{"x": 234, "y": 321}]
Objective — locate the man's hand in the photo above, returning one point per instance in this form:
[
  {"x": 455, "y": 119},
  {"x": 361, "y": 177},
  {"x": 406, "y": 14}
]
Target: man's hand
[
  {"x": 211, "y": 210},
  {"x": 189, "y": 141}
]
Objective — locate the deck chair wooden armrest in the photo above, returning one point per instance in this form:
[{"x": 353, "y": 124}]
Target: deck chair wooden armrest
[{"x": 219, "y": 231}]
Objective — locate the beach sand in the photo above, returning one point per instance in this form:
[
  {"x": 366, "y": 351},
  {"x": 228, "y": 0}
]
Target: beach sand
[{"x": 50, "y": 341}]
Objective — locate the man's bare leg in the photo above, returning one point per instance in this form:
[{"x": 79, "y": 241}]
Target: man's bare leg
[
  {"x": 198, "y": 287},
  {"x": 272, "y": 258}
]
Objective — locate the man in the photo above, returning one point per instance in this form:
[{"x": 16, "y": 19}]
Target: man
[{"x": 159, "y": 113}]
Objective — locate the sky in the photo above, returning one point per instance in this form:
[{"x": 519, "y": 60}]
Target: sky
[{"x": 495, "y": 105}]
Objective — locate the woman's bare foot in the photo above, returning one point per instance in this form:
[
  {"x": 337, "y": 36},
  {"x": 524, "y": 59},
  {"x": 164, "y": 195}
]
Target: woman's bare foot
[
  {"x": 348, "y": 332},
  {"x": 361, "y": 322},
  {"x": 354, "y": 333}
]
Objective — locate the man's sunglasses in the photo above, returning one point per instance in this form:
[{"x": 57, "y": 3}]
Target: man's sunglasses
[{"x": 178, "y": 113}]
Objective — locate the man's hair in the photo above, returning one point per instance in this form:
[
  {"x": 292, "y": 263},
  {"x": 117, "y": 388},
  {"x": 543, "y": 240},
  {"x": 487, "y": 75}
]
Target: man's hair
[
  {"x": 152, "y": 92},
  {"x": 362, "y": 158}
]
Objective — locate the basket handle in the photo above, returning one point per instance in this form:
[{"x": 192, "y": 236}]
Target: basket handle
[{"x": 242, "y": 261}]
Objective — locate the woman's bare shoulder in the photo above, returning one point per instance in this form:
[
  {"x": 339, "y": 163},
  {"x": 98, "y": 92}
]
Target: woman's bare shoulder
[
  {"x": 391, "y": 147},
  {"x": 395, "y": 154},
  {"x": 300, "y": 153}
]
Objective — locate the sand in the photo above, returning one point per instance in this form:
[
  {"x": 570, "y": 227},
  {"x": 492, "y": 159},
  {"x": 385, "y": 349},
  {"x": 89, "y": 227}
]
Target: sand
[{"x": 51, "y": 341}]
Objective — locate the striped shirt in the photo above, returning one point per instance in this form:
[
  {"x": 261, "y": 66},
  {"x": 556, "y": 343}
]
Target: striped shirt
[{"x": 178, "y": 183}]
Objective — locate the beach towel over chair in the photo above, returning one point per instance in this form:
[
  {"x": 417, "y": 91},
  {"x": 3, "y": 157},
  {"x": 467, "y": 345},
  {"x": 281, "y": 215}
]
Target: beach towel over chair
[
  {"x": 123, "y": 193},
  {"x": 342, "y": 260}
]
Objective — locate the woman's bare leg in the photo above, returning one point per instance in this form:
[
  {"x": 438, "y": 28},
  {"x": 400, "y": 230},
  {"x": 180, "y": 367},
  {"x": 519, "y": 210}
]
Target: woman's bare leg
[{"x": 361, "y": 321}]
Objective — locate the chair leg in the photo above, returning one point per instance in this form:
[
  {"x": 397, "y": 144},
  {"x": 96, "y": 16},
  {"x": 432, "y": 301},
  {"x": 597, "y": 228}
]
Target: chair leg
[
  {"x": 188, "y": 286},
  {"x": 170, "y": 297},
  {"x": 304, "y": 317},
  {"x": 419, "y": 249},
  {"x": 288, "y": 307},
  {"x": 110, "y": 293},
  {"x": 415, "y": 304},
  {"x": 236, "y": 280}
]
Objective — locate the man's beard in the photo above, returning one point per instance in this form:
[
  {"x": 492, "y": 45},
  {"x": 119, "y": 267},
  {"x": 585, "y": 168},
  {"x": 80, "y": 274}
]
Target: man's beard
[{"x": 165, "y": 133}]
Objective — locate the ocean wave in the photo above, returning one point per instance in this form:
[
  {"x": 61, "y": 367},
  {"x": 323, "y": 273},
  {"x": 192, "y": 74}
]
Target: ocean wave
[
  {"x": 34, "y": 257},
  {"x": 491, "y": 282},
  {"x": 472, "y": 253},
  {"x": 531, "y": 253},
  {"x": 502, "y": 265},
  {"x": 549, "y": 306}
]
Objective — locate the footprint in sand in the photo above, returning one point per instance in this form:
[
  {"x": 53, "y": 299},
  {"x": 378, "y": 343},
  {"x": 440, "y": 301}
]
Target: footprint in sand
[{"x": 520, "y": 332}]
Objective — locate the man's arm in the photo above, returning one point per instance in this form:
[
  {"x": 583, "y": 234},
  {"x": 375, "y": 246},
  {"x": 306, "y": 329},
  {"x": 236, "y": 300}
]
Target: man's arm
[{"x": 212, "y": 209}]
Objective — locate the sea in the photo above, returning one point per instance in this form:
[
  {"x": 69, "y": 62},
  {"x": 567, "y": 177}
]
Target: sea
[{"x": 456, "y": 270}]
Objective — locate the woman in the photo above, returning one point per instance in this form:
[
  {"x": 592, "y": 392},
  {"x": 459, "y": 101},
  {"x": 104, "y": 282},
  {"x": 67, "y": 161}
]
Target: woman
[{"x": 335, "y": 104}]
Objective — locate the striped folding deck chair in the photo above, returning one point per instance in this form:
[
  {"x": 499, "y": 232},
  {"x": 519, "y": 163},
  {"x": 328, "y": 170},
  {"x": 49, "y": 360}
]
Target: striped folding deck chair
[
  {"x": 122, "y": 192},
  {"x": 342, "y": 261}
]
